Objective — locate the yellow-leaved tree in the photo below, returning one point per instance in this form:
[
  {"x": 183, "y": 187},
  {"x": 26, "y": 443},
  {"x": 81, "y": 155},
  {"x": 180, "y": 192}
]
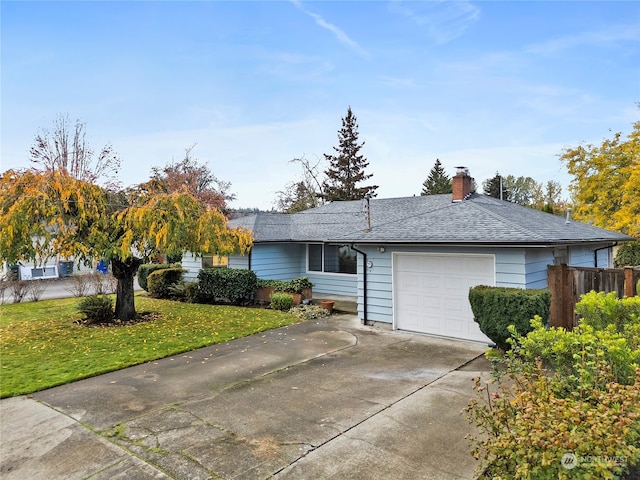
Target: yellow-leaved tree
[
  {"x": 606, "y": 182},
  {"x": 48, "y": 213}
]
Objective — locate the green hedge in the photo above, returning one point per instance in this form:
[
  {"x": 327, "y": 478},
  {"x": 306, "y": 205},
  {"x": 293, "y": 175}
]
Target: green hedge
[
  {"x": 227, "y": 285},
  {"x": 146, "y": 269},
  {"x": 495, "y": 308},
  {"x": 160, "y": 282}
]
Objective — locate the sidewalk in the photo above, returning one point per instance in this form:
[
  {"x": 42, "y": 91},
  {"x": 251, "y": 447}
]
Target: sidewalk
[{"x": 60, "y": 288}]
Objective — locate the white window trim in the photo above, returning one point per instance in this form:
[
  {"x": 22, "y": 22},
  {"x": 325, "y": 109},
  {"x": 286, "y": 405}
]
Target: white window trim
[{"x": 322, "y": 272}]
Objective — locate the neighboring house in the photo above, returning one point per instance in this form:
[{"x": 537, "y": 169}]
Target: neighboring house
[
  {"x": 53, "y": 268},
  {"x": 411, "y": 261}
]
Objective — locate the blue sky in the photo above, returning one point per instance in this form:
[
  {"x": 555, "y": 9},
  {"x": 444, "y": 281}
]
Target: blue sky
[{"x": 494, "y": 86}]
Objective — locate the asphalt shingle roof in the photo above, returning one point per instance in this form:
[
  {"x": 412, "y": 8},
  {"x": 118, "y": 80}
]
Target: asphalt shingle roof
[{"x": 423, "y": 219}]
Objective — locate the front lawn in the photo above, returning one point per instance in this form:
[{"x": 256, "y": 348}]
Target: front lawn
[{"x": 41, "y": 346}]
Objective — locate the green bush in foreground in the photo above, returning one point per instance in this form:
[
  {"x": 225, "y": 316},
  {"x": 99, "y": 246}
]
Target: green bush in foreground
[{"x": 565, "y": 404}]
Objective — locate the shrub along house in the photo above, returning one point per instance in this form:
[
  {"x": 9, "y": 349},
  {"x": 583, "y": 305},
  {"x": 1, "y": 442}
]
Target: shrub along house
[{"x": 411, "y": 261}]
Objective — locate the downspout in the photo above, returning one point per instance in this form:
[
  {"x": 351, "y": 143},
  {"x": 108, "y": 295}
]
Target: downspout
[
  {"x": 595, "y": 253},
  {"x": 364, "y": 282}
]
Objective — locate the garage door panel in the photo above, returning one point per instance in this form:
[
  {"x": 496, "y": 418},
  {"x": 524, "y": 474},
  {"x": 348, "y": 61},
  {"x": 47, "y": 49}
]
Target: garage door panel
[
  {"x": 431, "y": 281},
  {"x": 431, "y": 293},
  {"x": 409, "y": 301}
]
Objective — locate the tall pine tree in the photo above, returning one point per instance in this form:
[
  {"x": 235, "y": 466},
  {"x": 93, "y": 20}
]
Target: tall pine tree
[
  {"x": 437, "y": 182},
  {"x": 493, "y": 186},
  {"x": 347, "y": 166}
]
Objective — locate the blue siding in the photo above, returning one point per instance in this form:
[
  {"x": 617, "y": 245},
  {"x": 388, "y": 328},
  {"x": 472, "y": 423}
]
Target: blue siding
[
  {"x": 284, "y": 261},
  {"x": 517, "y": 267},
  {"x": 536, "y": 267},
  {"x": 581, "y": 257},
  {"x": 239, "y": 261},
  {"x": 277, "y": 261},
  {"x": 333, "y": 283},
  {"x": 605, "y": 258}
]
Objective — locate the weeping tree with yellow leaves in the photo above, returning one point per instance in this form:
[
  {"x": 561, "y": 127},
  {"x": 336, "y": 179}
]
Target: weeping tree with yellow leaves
[{"x": 48, "y": 213}]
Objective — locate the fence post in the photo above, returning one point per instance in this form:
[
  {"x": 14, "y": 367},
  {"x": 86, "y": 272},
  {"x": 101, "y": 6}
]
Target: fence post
[
  {"x": 629, "y": 284},
  {"x": 562, "y": 301}
]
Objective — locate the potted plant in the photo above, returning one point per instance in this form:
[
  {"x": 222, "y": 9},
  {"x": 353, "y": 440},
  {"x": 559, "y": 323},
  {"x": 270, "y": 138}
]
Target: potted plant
[
  {"x": 301, "y": 285},
  {"x": 327, "y": 305}
]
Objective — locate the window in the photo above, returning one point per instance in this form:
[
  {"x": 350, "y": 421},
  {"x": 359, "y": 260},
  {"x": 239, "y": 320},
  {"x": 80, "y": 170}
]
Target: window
[
  {"x": 210, "y": 261},
  {"x": 332, "y": 259}
]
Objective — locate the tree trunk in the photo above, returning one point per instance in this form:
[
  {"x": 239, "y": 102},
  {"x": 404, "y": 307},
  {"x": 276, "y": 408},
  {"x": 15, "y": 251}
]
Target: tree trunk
[{"x": 124, "y": 272}]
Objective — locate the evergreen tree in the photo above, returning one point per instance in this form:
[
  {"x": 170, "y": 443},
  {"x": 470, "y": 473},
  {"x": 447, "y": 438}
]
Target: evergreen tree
[
  {"x": 492, "y": 187},
  {"x": 437, "y": 182},
  {"x": 347, "y": 167}
]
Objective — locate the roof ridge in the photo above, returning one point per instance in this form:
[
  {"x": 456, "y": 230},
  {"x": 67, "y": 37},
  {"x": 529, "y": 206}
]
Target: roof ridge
[
  {"x": 505, "y": 220},
  {"x": 420, "y": 213}
]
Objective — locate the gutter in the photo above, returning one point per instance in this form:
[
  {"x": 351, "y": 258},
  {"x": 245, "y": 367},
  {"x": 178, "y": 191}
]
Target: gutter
[{"x": 364, "y": 282}]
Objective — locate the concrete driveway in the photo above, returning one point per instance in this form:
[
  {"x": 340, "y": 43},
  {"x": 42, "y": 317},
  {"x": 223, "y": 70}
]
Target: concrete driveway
[{"x": 328, "y": 399}]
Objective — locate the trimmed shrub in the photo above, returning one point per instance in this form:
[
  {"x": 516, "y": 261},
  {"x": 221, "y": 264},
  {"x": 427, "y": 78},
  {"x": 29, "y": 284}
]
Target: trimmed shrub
[
  {"x": 160, "y": 282},
  {"x": 281, "y": 301},
  {"x": 227, "y": 285},
  {"x": 96, "y": 308},
  {"x": 495, "y": 308},
  {"x": 277, "y": 285},
  {"x": 145, "y": 270}
]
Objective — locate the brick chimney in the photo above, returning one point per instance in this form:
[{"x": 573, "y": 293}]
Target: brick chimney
[{"x": 462, "y": 184}]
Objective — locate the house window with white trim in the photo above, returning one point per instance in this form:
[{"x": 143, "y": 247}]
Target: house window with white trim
[{"x": 331, "y": 259}]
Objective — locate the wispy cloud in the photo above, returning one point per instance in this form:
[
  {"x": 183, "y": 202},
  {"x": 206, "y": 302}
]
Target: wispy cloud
[
  {"x": 618, "y": 33},
  {"x": 337, "y": 31},
  {"x": 444, "y": 20}
]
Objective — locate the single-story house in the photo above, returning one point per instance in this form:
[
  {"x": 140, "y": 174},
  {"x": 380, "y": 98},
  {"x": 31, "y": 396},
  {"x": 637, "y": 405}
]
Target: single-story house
[{"x": 411, "y": 261}]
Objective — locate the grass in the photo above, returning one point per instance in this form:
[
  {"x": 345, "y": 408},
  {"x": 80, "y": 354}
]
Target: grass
[{"x": 41, "y": 346}]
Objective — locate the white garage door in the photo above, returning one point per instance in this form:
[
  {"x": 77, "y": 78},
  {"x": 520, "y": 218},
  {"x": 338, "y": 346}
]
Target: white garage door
[{"x": 431, "y": 292}]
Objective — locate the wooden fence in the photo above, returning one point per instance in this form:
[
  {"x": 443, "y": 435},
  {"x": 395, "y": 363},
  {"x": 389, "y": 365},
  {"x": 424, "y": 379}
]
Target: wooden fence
[{"x": 568, "y": 283}]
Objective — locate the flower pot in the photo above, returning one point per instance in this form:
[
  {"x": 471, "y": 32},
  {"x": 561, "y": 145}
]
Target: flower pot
[
  {"x": 327, "y": 305},
  {"x": 263, "y": 294}
]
